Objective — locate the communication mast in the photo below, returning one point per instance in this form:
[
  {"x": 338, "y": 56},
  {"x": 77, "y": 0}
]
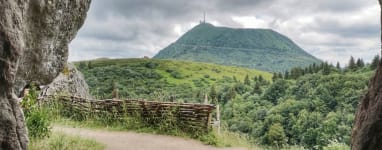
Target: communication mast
[{"x": 204, "y": 17}]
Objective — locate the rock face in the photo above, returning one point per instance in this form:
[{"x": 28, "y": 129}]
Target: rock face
[
  {"x": 34, "y": 37},
  {"x": 367, "y": 130},
  {"x": 70, "y": 82}
]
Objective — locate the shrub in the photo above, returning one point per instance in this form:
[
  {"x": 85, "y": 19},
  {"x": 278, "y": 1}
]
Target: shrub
[
  {"x": 38, "y": 124},
  {"x": 151, "y": 65},
  {"x": 37, "y": 119},
  {"x": 176, "y": 75},
  {"x": 276, "y": 136}
]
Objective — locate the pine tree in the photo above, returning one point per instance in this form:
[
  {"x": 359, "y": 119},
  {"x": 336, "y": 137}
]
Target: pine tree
[
  {"x": 257, "y": 89},
  {"x": 310, "y": 69},
  {"x": 360, "y": 63},
  {"x": 326, "y": 68},
  {"x": 82, "y": 65},
  {"x": 338, "y": 66},
  {"x": 314, "y": 68},
  {"x": 255, "y": 79},
  {"x": 286, "y": 75},
  {"x": 274, "y": 77},
  {"x": 90, "y": 65},
  {"x": 261, "y": 79},
  {"x": 213, "y": 94},
  {"x": 375, "y": 62},
  {"x": 352, "y": 65},
  {"x": 246, "y": 80},
  {"x": 231, "y": 93},
  {"x": 280, "y": 75}
]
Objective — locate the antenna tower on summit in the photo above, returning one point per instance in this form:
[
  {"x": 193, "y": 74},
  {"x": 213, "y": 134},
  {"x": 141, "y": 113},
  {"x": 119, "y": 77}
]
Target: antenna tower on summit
[{"x": 204, "y": 17}]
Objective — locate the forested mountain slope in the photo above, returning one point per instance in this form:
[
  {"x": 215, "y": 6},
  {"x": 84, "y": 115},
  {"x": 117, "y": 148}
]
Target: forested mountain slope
[{"x": 262, "y": 49}]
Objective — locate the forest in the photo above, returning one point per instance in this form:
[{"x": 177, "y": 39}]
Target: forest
[{"x": 311, "y": 107}]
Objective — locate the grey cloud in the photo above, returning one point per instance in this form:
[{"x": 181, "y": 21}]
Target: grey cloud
[{"x": 135, "y": 28}]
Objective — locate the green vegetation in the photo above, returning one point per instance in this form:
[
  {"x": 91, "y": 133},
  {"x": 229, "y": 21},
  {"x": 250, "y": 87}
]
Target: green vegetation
[
  {"x": 262, "y": 49},
  {"x": 61, "y": 141},
  {"x": 311, "y": 107},
  {"x": 37, "y": 119},
  {"x": 158, "y": 79}
]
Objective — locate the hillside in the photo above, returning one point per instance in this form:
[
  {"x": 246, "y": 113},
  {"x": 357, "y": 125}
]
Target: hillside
[
  {"x": 262, "y": 49},
  {"x": 155, "y": 78},
  {"x": 311, "y": 107}
]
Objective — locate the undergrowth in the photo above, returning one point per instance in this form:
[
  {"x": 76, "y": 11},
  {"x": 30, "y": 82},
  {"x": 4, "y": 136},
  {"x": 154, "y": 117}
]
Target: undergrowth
[{"x": 61, "y": 141}]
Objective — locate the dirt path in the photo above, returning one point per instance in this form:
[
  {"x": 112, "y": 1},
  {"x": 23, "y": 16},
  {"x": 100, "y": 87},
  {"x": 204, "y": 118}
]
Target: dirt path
[{"x": 138, "y": 141}]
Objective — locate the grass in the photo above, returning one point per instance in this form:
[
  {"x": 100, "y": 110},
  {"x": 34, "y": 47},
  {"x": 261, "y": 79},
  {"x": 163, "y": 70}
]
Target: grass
[
  {"x": 188, "y": 71},
  {"x": 61, "y": 141},
  {"x": 232, "y": 139}
]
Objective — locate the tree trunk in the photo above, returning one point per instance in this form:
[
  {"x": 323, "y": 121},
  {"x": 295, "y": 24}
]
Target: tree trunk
[{"x": 367, "y": 130}]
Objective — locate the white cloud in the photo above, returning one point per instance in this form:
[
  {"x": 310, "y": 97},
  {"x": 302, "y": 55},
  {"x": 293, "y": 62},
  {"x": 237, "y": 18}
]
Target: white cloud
[{"x": 251, "y": 22}]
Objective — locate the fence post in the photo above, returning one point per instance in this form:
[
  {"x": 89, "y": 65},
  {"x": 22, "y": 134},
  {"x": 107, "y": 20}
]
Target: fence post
[
  {"x": 206, "y": 99},
  {"x": 218, "y": 117}
]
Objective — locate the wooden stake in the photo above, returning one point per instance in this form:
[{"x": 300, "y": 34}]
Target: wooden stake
[
  {"x": 218, "y": 117},
  {"x": 205, "y": 99}
]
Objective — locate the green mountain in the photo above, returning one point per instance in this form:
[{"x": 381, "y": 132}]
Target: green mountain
[{"x": 262, "y": 49}]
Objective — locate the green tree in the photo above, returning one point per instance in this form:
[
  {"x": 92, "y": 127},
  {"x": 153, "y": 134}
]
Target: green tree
[
  {"x": 352, "y": 66},
  {"x": 82, "y": 65},
  {"x": 338, "y": 66},
  {"x": 280, "y": 75},
  {"x": 261, "y": 78},
  {"x": 213, "y": 94},
  {"x": 257, "y": 89},
  {"x": 275, "y": 91},
  {"x": 255, "y": 78},
  {"x": 286, "y": 75},
  {"x": 360, "y": 63},
  {"x": 375, "y": 62},
  {"x": 276, "y": 136},
  {"x": 274, "y": 77},
  {"x": 90, "y": 65},
  {"x": 325, "y": 68},
  {"x": 246, "y": 80},
  {"x": 231, "y": 93},
  {"x": 37, "y": 119}
]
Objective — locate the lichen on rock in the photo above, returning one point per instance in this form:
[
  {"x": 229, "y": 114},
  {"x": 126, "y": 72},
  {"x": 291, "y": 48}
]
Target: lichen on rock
[{"x": 69, "y": 82}]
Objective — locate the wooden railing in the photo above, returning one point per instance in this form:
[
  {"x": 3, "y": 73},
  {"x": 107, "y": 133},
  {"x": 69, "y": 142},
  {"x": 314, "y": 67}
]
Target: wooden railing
[{"x": 188, "y": 116}]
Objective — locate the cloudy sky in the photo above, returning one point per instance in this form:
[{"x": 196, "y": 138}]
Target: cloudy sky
[{"x": 331, "y": 30}]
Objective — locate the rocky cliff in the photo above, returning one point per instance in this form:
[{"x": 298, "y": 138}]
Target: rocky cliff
[
  {"x": 34, "y": 37},
  {"x": 367, "y": 130},
  {"x": 69, "y": 82}
]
